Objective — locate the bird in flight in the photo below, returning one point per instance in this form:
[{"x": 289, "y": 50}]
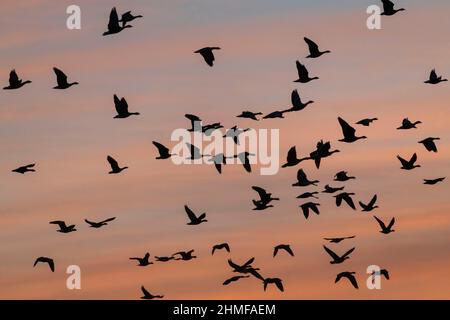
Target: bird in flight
[
  {"x": 244, "y": 268},
  {"x": 284, "y": 247},
  {"x": 336, "y": 258},
  {"x": 115, "y": 168},
  {"x": 50, "y": 262},
  {"x": 24, "y": 169},
  {"x": 329, "y": 189},
  {"x": 314, "y": 51},
  {"x": 113, "y": 24},
  {"x": 322, "y": 151},
  {"x": 243, "y": 158},
  {"x": 265, "y": 197},
  {"x": 366, "y": 122},
  {"x": 142, "y": 261},
  {"x": 434, "y": 79},
  {"x": 307, "y": 195},
  {"x": 310, "y": 206},
  {"x": 128, "y": 17},
  {"x": 164, "y": 259},
  {"x": 15, "y": 82},
  {"x": 342, "y": 176},
  {"x": 249, "y": 115},
  {"x": 274, "y": 115},
  {"x": 429, "y": 144},
  {"x": 233, "y": 279},
  {"x": 63, "y": 228},
  {"x": 409, "y": 165},
  {"x": 148, "y": 296},
  {"x": 386, "y": 229},
  {"x": 100, "y": 223},
  {"x": 291, "y": 159},
  {"x": 297, "y": 104},
  {"x": 207, "y": 54},
  {"x": 370, "y": 206},
  {"x": 162, "y": 150},
  {"x": 61, "y": 79},
  {"x": 349, "y": 132},
  {"x": 350, "y": 276},
  {"x": 193, "y": 219},
  {"x": 388, "y": 7},
  {"x": 221, "y": 246},
  {"x": 345, "y": 196},
  {"x": 184, "y": 255},
  {"x": 303, "y": 74},
  {"x": 407, "y": 124},
  {"x": 302, "y": 180},
  {"x": 433, "y": 181},
  {"x": 122, "y": 108},
  {"x": 382, "y": 272},
  {"x": 277, "y": 281},
  {"x": 234, "y": 133},
  {"x": 338, "y": 240},
  {"x": 196, "y": 122}
]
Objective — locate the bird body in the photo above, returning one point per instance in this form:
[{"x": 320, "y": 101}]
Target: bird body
[
  {"x": 350, "y": 276},
  {"x": 185, "y": 255},
  {"x": 366, "y": 122},
  {"x": 277, "y": 281},
  {"x": 388, "y": 8},
  {"x": 148, "y": 296},
  {"x": 122, "y": 108},
  {"x": 249, "y": 115},
  {"x": 234, "y": 279},
  {"x": 429, "y": 144},
  {"x": 221, "y": 246},
  {"x": 342, "y": 176},
  {"x": 163, "y": 151},
  {"x": 63, "y": 228},
  {"x": 329, "y": 189},
  {"x": 370, "y": 206},
  {"x": 302, "y": 180},
  {"x": 407, "y": 124},
  {"x": 143, "y": 261},
  {"x": 434, "y": 79},
  {"x": 24, "y": 169}
]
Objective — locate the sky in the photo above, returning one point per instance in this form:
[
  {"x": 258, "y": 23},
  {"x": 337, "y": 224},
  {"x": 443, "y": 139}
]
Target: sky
[{"x": 69, "y": 133}]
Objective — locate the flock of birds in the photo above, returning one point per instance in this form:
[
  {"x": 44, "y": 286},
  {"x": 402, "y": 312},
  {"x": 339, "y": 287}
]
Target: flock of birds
[{"x": 265, "y": 199}]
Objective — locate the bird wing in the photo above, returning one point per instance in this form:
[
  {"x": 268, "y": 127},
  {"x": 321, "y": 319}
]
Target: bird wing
[
  {"x": 349, "y": 201},
  {"x": 13, "y": 78},
  {"x": 348, "y": 252},
  {"x": 373, "y": 201},
  {"x": 403, "y": 161},
  {"x": 262, "y": 193},
  {"x": 381, "y": 223},
  {"x": 391, "y": 224},
  {"x": 289, "y": 250},
  {"x": 385, "y": 273},
  {"x": 190, "y": 213},
  {"x": 347, "y": 130},
  {"x": 313, "y": 47},
  {"x": 61, "y": 224},
  {"x": 305, "y": 209},
  {"x": 279, "y": 285},
  {"x": 295, "y": 99},
  {"x": 352, "y": 280},
  {"x": 61, "y": 77},
  {"x": 161, "y": 148},
  {"x": 113, "y": 163},
  {"x": 89, "y": 222},
  {"x": 314, "y": 208},
  {"x": 433, "y": 75},
  {"x": 124, "y": 105},
  {"x": 302, "y": 71},
  {"x": 249, "y": 262},
  {"x": 145, "y": 292},
  {"x": 113, "y": 19},
  {"x": 301, "y": 175},
  {"x": 232, "y": 264},
  {"x": 118, "y": 105},
  {"x": 109, "y": 219},
  {"x": 227, "y": 247},
  {"x": 247, "y": 165},
  {"x": 331, "y": 253},
  {"x": 51, "y": 264},
  {"x": 195, "y": 152},
  {"x": 413, "y": 158},
  {"x": 292, "y": 155},
  {"x": 388, "y": 5},
  {"x": 275, "y": 251},
  {"x": 339, "y": 200}
]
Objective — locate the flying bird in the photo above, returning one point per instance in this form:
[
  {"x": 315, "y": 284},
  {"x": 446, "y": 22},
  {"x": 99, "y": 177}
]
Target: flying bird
[
  {"x": 143, "y": 261},
  {"x": 207, "y": 54},
  {"x": 63, "y": 228},
  {"x": 261, "y": 205},
  {"x": 50, "y": 262},
  {"x": 193, "y": 219},
  {"x": 345, "y": 196},
  {"x": 196, "y": 122},
  {"x": 303, "y": 74},
  {"x": 429, "y": 144},
  {"x": 349, "y": 132},
  {"x": 314, "y": 51},
  {"x": 310, "y": 206},
  {"x": 338, "y": 240},
  {"x": 409, "y": 165},
  {"x": 350, "y": 276},
  {"x": 122, "y": 108},
  {"x": 219, "y": 160},
  {"x": 274, "y": 115},
  {"x": 291, "y": 159},
  {"x": 307, "y": 195},
  {"x": 329, "y": 189},
  {"x": 243, "y": 158},
  {"x": 284, "y": 247},
  {"x": 322, "y": 151},
  {"x": 434, "y": 79},
  {"x": 302, "y": 180},
  {"x": 115, "y": 168},
  {"x": 61, "y": 79},
  {"x": 164, "y": 259},
  {"x": 241, "y": 268},
  {"x": 264, "y": 195},
  {"x": 233, "y": 279},
  {"x": 195, "y": 153},
  {"x": 370, "y": 206},
  {"x": 382, "y": 272},
  {"x": 249, "y": 115},
  {"x": 407, "y": 124},
  {"x": 221, "y": 246},
  {"x": 366, "y": 122},
  {"x": 162, "y": 150},
  {"x": 386, "y": 229},
  {"x": 24, "y": 169},
  {"x": 128, "y": 17},
  {"x": 15, "y": 82},
  {"x": 336, "y": 258},
  {"x": 433, "y": 181},
  {"x": 388, "y": 7},
  {"x": 100, "y": 223},
  {"x": 185, "y": 255},
  {"x": 113, "y": 24},
  {"x": 277, "y": 281},
  {"x": 342, "y": 176},
  {"x": 297, "y": 104},
  {"x": 148, "y": 295}
]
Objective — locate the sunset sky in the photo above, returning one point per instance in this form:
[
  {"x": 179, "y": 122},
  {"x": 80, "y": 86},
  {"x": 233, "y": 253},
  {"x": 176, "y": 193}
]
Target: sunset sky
[{"x": 69, "y": 133}]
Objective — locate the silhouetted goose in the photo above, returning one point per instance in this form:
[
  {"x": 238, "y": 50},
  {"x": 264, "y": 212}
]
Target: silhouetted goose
[
  {"x": 314, "y": 51},
  {"x": 350, "y": 276},
  {"x": 297, "y": 104},
  {"x": 218, "y": 160},
  {"x": 196, "y": 122},
  {"x": 63, "y": 228},
  {"x": 50, "y": 262},
  {"x": 338, "y": 240},
  {"x": 61, "y": 79},
  {"x": 15, "y": 82},
  {"x": 370, "y": 206},
  {"x": 241, "y": 268},
  {"x": 322, "y": 151},
  {"x": 366, "y": 122},
  {"x": 23, "y": 169},
  {"x": 284, "y": 247},
  {"x": 386, "y": 229},
  {"x": 409, "y": 165},
  {"x": 346, "y": 196},
  {"x": 407, "y": 124},
  {"x": 338, "y": 259},
  {"x": 433, "y": 181},
  {"x": 307, "y": 195},
  {"x": 148, "y": 295},
  {"x": 264, "y": 195},
  {"x": 349, "y": 132},
  {"x": 185, "y": 255},
  {"x": 122, "y": 108},
  {"x": 303, "y": 180},
  {"x": 429, "y": 144},
  {"x": 303, "y": 74},
  {"x": 113, "y": 24},
  {"x": 128, "y": 17},
  {"x": 207, "y": 54},
  {"x": 261, "y": 205},
  {"x": 221, "y": 246},
  {"x": 234, "y": 133},
  {"x": 114, "y": 166},
  {"x": 164, "y": 259},
  {"x": 291, "y": 159},
  {"x": 434, "y": 79},
  {"x": 233, "y": 279},
  {"x": 382, "y": 272},
  {"x": 329, "y": 189},
  {"x": 310, "y": 206},
  {"x": 209, "y": 128},
  {"x": 162, "y": 150},
  {"x": 143, "y": 261},
  {"x": 243, "y": 158},
  {"x": 274, "y": 115},
  {"x": 388, "y": 7},
  {"x": 277, "y": 281},
  {"x": 249, "y": 115},
  {"x": 193, "y": 219},
  {"x": 342, "y": 176},
  {"x": 100, "y": 223}
]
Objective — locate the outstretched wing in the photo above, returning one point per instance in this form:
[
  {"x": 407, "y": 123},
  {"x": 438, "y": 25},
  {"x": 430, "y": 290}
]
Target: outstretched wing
[
  {"x": 61, "y": 77},
  {"x": 113, "y": 163},
  {"x": 391, "y": 224},
  {"x": 347, "y": 130},
  {"x": 381, "y": 223},
  {"x": 262, "y": 193},
  {"x": 313, "y": 47},
  {"x": 145, "y": 292},
  {"x": 372, "y": 202},
  {"x": 295, "y": 99},
  {"x": 161, "y": 148},
  {"x": 302, "y": 71},
  {"x": 109, "y": 219},
  {"x": 331, "y": 253},
  {"x": 113, "y": 19},
  {"x": 348, "y": 252},
  {"x": 190, "y": 213},
  {"x": 388, "y": 5},
  {"x": 13, "y": 78},
  {"x": 413, "y": 158},
  {"x": 403, "y": 161}
]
